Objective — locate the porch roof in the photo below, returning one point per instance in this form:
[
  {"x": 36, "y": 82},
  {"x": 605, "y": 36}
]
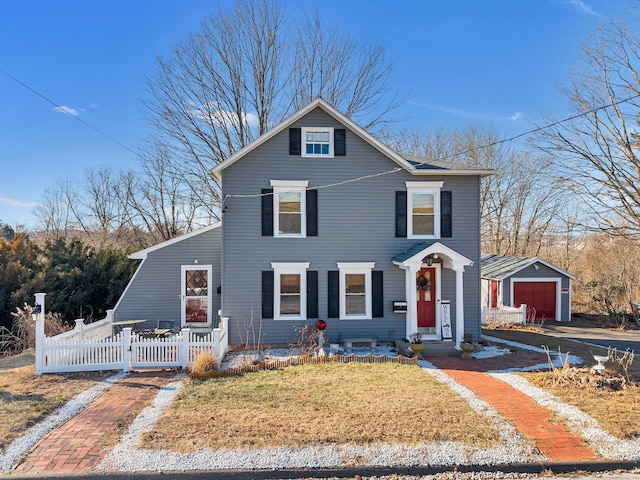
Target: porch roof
[{"x": 416, "y": 252}]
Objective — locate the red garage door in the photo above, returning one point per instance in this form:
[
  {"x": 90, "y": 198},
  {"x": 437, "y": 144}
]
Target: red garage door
[{"x": 539, "y": 295}]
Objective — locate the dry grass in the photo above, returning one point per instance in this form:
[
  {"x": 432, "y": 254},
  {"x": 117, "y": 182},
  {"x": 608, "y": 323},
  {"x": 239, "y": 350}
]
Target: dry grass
[
  {"x": 204, "y": 363},
  {"x": 318, "y": 405},
  {"x": 616, "y": 409},
  {"x": 25, "y": 399}
]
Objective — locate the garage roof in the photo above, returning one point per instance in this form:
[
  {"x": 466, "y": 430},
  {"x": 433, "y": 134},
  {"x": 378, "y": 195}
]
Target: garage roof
[{"x": 499, "y": 267}]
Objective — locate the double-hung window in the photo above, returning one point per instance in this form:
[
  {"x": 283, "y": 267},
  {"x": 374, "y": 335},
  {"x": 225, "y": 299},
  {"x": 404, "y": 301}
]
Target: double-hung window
[
  {"x": 289, "y": 208},
  {"x": 355, "y": 290},
  {"x": 290, "y": 290},
  {"x": 423, "y": 208},
  {"x": 317, "y": 142}
]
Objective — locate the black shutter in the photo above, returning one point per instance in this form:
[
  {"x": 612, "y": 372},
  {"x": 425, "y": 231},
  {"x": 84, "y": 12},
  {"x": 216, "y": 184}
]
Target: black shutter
[
  {"x": 295, "y": 144},
  {"x": 377, "y": 294},
  {"x": 334, "y": 294},
  {"x": 312, "y": 213},
  {"x": 401, "y": 213},
  {"x": 267, "y": 212},
  {"x": 267, "y": 294},
  {"x": 312, "y": 294},
  {"x": 446, "y": 219},
  {"x": 339, "y": 142}
]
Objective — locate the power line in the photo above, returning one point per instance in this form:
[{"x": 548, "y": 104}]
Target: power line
[
  {"x": 62, "y": 109},
  {"x": 457, "y": 154}
]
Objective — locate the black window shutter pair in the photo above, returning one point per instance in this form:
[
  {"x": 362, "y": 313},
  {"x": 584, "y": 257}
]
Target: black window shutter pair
[
  {"x": 377, "y": 293},
  {"x": 446, "y": 218},
  {"x": 268, "y": 294},
  {"x": 339, "y": 141},
  {"x": 267, "y": 212}
]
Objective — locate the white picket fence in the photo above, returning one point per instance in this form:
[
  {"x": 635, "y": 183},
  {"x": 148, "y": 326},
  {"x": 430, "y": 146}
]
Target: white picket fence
[
  {"x": 74, "y": 352},
  {"x": 504, "y": 315}
]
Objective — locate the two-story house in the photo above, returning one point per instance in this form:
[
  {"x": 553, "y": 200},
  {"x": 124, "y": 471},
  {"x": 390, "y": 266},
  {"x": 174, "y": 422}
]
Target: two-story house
[{"x": 322, "y": 220}]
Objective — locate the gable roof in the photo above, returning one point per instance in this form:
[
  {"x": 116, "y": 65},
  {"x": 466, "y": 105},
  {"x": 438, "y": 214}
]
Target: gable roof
[
  {"x": 499, "y": 267},
  {"x": 142, "y": 254},
  {"x": 412, "y": 164}
]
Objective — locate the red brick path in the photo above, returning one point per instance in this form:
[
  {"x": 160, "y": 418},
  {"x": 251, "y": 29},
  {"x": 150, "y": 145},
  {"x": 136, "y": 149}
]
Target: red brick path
[
  {"x": 80, "y": 444},
  {"x": 550, "y": 436}
]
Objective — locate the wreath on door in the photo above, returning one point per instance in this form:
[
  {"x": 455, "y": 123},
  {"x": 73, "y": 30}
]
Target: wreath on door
[{"x": 423, "y": 283}]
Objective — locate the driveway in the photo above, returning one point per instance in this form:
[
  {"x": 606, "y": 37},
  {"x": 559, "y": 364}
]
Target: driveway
[{"x": 584, "y": 332}]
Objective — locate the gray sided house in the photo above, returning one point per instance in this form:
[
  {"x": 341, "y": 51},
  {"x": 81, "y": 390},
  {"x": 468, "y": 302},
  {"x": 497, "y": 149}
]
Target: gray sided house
[
  {"x": 322, "y": 221},
  {"x": 177, "y": 282},
  {"x": 514, "y": 281}
]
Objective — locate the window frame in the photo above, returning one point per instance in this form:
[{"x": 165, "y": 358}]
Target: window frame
[
  {"x": 428, "y": 188},
  {"x": 285, "y": 186},
  {"x": 358, "y": 268},
  {"x": 289, "y": 268},
  {"x": 303, "y": 142}
]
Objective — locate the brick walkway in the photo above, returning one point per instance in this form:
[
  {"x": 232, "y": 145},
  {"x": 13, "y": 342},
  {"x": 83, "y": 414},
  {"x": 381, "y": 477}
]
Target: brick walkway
[
  {"x": 79, "y": 445},
  {"x": 550, "y": 436}
]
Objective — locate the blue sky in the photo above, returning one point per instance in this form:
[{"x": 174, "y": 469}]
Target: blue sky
[{"x": 486, "y": 62}]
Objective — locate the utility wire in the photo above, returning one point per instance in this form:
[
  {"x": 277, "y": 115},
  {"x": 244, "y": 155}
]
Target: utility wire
[
  {"x": 457, "y": 154},
  {"x": 62, "y": 109}
]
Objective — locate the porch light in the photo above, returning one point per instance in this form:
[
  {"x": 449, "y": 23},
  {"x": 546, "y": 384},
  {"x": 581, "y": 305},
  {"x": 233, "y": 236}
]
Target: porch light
[
  {"x": 429, "y": 260},
  {"x": 37, "y": 309}
]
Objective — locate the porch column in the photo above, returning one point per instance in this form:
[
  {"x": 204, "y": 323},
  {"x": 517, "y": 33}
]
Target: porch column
[
  {"x": 459, "y": 269},
  {"x": 410, "y": 286}
]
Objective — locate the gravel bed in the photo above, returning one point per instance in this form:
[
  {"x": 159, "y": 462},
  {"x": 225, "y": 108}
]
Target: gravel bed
[
  {"x": 602, "y": 442},
  {"x": 126, "y": 457},
  {"x": 70, "y": 409}
]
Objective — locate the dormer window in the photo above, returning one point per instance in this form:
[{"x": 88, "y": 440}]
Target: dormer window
[{"x": 317, "y": 142}]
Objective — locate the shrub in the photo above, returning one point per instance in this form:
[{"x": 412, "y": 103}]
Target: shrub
[{"x": 204, "y": 363}]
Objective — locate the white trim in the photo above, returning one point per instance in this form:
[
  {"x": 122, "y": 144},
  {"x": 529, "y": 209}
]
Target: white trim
[
  {"x": 303, "y": 142},
  {"x": 287, "y": 186},
  {"x": 438, "y": 275},
  {"x": 142, "y": 254},
  {"x": 556, "y": 280},
  {"x": 359, "y": 268},
  {"x": 183, "y": 300},
  {"x": 424, "y": 188},
  {"x": 299, "y": 268}
]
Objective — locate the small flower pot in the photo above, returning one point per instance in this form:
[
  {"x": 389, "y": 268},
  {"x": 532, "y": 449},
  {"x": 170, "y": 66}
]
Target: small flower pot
[{"x": 416, "y": 347}]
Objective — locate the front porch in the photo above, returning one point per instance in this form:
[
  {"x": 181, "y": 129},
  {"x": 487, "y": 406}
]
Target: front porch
[{"x": 428, "y": 313}]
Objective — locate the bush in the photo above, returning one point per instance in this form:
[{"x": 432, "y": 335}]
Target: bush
[
  {"x": 23, "y": 331},
  {"x": 204, "y": 363}
]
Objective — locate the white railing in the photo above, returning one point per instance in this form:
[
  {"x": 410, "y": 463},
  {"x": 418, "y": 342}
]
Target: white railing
[
  {"x": 93, "y": 331},
  {"x": 504, "y": 315},
  {"x": 82, "y": 349}
]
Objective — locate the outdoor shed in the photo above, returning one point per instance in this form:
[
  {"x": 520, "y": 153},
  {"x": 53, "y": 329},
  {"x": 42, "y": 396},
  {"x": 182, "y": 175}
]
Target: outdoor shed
[{"x": 514, "y": 281}]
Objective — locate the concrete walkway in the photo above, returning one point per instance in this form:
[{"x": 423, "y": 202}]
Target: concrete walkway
[{"x": 81, "y": 443}]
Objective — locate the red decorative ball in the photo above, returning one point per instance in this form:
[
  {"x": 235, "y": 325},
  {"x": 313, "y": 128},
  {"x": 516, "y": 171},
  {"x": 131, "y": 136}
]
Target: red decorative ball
[{"x": 321, "y": 324}]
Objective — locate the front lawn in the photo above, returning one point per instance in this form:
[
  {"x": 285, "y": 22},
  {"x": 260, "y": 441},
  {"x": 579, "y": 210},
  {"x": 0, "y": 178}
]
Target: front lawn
[{"x": 319, "y": 405}]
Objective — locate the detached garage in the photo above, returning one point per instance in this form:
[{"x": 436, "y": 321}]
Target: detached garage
[{"x": 514, "y": 281}]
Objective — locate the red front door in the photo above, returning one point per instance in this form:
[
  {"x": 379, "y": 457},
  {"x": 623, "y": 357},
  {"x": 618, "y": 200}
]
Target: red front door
[{"x": 426, "y": 296}]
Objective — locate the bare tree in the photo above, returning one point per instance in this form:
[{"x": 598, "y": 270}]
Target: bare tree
[
  {"x": 158, "y": 199},
  {"x": 596, "y": 151},
  {"x": 242, "y": 73}
]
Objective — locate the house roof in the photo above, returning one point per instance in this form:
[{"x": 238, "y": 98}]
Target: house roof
[
  {"x": 499, "y": 267},
  {"x": 412, "y": 164},
  {"x": 142, "y": 254}
]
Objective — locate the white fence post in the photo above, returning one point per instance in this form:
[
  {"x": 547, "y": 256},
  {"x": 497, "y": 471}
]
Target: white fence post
[
  {"x": 126, "y": 357},
  {"x": 80, "y": 328},
  {"x": 39, "y": 321},
  {"x": 184, "y": 347}
]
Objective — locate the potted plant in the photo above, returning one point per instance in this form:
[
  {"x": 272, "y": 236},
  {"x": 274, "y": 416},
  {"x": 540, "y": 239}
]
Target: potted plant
[
  {"x": 415, "y": 342},
  {"x": 467, "y": 346}
]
